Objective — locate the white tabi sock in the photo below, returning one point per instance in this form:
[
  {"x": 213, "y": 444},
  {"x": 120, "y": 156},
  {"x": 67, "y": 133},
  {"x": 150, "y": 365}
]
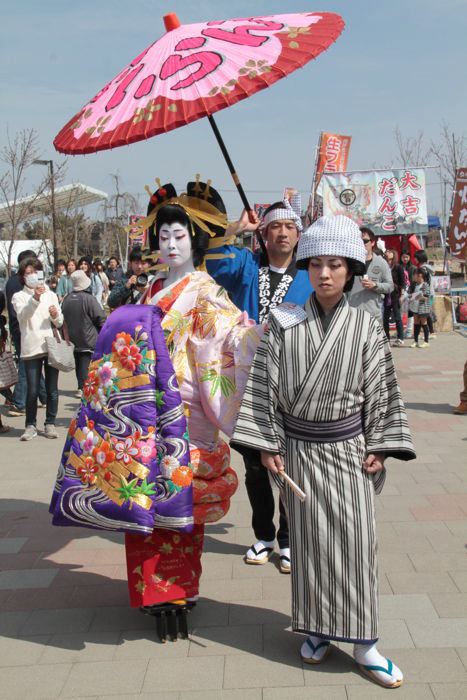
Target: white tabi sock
[
  {"x": 368, "y": 655},
  {"x": 314, "y": 648},
  {"x": 284, "y": 557},
  {"x": 261, "y": 544}
]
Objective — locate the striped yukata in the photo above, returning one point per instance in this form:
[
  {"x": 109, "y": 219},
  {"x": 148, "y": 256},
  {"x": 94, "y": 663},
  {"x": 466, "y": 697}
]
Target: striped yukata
[{"x": 324, "y": 400}]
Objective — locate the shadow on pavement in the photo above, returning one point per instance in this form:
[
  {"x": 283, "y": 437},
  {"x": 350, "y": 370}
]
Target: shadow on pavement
[
  {"x": 81, "y": 607},
  {"x": 430, "y": 407}
]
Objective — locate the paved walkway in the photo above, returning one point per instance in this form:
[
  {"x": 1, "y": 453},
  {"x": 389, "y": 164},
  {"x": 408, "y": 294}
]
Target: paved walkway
[{"x": 68, "y": 630}]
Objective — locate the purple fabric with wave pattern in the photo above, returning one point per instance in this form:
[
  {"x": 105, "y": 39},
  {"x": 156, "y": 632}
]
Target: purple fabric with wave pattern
[{"x": 131, "y": 417}]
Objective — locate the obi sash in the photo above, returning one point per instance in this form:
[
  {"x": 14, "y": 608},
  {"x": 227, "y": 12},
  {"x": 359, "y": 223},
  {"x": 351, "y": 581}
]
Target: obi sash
[{"x": 330, "y": 431}]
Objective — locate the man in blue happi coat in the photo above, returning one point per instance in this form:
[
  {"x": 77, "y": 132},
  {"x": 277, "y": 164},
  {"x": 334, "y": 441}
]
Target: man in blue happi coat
[{"x": 257, "y": 283}]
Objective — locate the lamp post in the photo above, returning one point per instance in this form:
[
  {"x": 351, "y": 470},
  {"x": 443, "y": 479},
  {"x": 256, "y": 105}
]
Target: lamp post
[{"x": 50, "y": 165}]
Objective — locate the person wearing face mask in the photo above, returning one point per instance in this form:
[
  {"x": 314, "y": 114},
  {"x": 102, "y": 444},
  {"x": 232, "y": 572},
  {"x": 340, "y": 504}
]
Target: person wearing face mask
[
  {"x": 37, "y": 308},
  {"x": 15, "y": 284},
  {"x": 211, "y": 344}
]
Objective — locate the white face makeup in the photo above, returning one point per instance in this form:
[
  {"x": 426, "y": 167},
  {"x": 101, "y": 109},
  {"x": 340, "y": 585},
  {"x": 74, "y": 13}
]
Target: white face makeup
[{"x": 175, "y": 245}]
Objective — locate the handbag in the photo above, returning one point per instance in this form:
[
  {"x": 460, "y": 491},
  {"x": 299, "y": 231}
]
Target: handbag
[
  {"x": 60, "y": 351},
  {"x": 8, "y": 371}
]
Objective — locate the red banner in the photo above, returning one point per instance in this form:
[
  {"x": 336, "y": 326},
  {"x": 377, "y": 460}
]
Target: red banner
[
  {"x": 457, "y": 237},
  {"x": 259, "y": 209},
  {"x": 333, "y": 154},
  {"x": 136, "y": 238}
]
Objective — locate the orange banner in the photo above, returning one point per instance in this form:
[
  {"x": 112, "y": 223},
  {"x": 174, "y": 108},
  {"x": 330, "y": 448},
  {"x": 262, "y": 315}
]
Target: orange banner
[
  {"x": 333, "y": 154},
  {"x": 457, "y": 237}
]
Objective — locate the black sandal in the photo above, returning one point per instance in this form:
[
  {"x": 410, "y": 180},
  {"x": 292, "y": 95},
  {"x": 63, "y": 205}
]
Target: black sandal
[{"x": 267, "y": 551}]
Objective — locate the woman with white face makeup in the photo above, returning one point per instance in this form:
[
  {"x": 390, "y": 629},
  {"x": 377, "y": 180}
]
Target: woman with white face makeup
[{"x": 212, "y": 345}]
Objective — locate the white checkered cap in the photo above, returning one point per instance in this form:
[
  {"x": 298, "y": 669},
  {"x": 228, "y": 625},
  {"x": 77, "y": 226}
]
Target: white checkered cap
[{"x": 332, "y": 235}]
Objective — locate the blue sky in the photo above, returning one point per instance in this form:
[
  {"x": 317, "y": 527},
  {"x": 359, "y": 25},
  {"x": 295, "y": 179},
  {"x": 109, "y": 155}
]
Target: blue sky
[{"x": 397, "y": 63}]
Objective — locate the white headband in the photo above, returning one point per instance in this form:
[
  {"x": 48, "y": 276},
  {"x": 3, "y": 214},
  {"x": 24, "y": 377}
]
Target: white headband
[{"x": 291, "y": 211}]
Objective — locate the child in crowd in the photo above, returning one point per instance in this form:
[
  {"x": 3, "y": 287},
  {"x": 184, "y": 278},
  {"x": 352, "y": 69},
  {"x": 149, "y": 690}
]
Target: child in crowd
[{"x": 420, "y": 306}]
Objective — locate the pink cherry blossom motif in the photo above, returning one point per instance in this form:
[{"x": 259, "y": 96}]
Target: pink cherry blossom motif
[
  {"x": 89, "y": 442},
  {"x": 106, "y": 373},
  {"x": 169, "y": 465},
  {"x": 147, "y": 450},
  {"x": 126, "y": 450},
  {"x": 99, "y": 400}
]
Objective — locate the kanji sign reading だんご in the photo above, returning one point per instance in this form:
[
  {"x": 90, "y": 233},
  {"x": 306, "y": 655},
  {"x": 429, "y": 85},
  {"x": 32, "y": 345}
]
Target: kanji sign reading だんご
[
  {"x": 389, "y": 201},
  {"x": 457, "y": 237}
]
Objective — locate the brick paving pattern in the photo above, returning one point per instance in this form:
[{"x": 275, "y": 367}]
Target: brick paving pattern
[{"x": 67, "y": 630}]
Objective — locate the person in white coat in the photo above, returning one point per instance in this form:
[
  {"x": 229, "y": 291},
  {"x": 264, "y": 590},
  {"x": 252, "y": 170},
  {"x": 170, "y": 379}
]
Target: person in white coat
[{"x": 37, "y": 309}]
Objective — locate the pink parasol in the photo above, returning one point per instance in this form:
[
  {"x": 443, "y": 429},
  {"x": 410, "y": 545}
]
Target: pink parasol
[{"x": 193, "y": 71}]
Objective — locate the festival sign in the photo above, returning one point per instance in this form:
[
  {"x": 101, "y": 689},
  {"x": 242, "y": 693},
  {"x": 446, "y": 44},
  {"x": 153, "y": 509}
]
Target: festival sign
[
  {"x": 333, "y": 154},
  {"x": 388, "y": 201},
  {"x": 458, "y": 224},
  {"x": 137, "y": 238},
  {"x": 260, "y": 210}
]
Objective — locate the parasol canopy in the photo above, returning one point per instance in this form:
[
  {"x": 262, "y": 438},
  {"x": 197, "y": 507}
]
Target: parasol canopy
[{"x": 193, "y": 71}]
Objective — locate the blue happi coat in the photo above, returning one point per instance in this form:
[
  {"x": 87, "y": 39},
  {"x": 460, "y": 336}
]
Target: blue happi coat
[{"x": 239, "y": 275}]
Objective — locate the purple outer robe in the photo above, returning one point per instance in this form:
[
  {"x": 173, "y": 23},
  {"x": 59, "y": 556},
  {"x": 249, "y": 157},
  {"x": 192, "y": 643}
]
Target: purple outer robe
[{"x": 130, "y": 420}]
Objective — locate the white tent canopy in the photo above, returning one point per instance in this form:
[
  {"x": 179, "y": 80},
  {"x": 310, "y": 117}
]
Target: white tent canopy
[
  {"x": 66, "y": 197},
  {"x": 43, "y": 250}
]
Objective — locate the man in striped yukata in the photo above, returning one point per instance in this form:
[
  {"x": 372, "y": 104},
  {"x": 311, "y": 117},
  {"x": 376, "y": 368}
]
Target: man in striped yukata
[{"x": 323, "y": 403}]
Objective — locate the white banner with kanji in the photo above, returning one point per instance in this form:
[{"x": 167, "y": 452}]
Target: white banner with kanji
[{"x": 389, "y": 202}]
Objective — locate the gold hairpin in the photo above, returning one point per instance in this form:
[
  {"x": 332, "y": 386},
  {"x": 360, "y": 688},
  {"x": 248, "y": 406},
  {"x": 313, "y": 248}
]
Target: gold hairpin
[{"x": 197, "y": 188}]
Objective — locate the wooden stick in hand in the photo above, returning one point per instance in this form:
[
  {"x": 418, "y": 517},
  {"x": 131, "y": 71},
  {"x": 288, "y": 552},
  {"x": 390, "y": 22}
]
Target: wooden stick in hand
[{"x": 301, "y": 495}]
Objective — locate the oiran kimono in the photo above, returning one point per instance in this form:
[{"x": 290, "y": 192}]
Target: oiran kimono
[
  {"x": 211, "y": 344},
  {"x": 125, "y": 465}
]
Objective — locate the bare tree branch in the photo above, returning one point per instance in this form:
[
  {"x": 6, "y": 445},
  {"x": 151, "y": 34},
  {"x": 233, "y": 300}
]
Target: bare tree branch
[
  {"x": 450, "y": 153},
  {"x": 411, "y": 150},
  {"x": 18, "y": 155}
]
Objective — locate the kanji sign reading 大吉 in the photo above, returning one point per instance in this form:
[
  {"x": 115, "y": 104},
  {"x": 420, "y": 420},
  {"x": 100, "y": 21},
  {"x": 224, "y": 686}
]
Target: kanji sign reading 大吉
[
  {"x": 458, "y": 223},
  {"x": 389, "y": 201}
]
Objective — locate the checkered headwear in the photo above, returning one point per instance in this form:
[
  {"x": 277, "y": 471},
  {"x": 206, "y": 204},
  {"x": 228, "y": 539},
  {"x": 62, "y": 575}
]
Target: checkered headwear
[
  {"x": 291, "y": 211},
  {"x": 332, "y": 235}
]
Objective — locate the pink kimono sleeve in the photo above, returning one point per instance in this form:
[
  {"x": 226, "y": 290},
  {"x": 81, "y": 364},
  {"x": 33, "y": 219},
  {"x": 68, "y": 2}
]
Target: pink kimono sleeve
[{"x": 224, "y": 342}]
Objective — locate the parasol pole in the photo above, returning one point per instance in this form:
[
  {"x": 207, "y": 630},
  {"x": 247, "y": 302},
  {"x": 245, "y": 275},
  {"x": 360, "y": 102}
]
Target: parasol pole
[{"x": 235, "y": 178}]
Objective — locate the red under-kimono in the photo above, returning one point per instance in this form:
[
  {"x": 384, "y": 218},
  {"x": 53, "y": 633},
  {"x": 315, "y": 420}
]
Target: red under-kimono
[{"x": 212, "y": 345}]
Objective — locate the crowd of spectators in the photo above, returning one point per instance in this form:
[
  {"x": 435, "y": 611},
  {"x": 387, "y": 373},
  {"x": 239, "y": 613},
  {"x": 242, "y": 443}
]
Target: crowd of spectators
[
  {"x": 76, "y": 297},
  {"x": 82, "y": 293}
]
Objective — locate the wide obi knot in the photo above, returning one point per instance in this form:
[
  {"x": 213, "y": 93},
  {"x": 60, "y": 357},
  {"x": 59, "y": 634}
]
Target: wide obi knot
[{"x": 330, "y": 431}]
